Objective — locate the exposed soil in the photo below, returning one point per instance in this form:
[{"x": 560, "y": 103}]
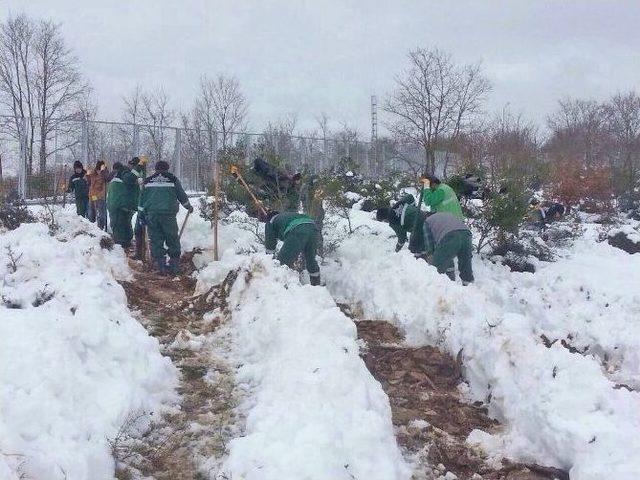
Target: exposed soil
[
  {"x": 184, "y": 443},
  {"x": 431, "y": 418}
]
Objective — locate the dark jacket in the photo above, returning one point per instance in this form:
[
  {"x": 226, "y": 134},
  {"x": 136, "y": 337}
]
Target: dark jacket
[
  {"x": 78, "y": 185},
  {"x": 161, "y": 193},
  {"x": 408, "y": 220},
  {"x": 123, "y": 190}
]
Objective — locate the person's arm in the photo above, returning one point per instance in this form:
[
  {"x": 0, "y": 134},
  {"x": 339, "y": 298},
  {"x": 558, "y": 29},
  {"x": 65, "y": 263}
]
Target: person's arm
[
  {"x": 71, "y": 185},
  {"x": 270, "y": 237},
  {"x": 182, "y": 196},
  {"x": 401, "y": 234},
  {"x": 433, "y": 198},
  {"x": 128, "y": 178},
  {"x": 141, "y": 200}
]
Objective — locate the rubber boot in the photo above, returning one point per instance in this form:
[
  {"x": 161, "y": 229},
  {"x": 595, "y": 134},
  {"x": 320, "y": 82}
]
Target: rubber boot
[
  {"x": 314, "y": 280},
  {"x": 174, "y": 266},
  {"x": 160, "y": 266}
]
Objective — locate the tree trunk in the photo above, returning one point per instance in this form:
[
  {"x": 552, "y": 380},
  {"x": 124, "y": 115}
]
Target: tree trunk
[{"x": 43, "y": 153}]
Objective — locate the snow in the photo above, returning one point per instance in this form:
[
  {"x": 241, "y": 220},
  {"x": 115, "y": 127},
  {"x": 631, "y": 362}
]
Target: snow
[
  {"x": 559, "y": 408},
  {"x": 631, "y": 232},
  {"x": 313, "y": 410},
  {"x": 76, "y": 366}
]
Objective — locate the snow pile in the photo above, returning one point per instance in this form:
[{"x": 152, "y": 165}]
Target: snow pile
[
  {"x": 313, "y": 409},
  {"x": 559, "y": 407},
  {"x": 74, "y": 363}
]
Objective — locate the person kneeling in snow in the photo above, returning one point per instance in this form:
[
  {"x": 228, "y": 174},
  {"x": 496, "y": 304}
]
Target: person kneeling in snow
[
  {"x": 299, "y": 234},
  {"x": 158, "y": 209},
  {"x": 440, "y": 236}
]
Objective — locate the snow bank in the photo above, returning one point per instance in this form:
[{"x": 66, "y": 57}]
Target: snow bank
[
  {"x": 313, "y": 410},
  {"x": 74, "y": 363},
  {"x": 559, "y": 408}
]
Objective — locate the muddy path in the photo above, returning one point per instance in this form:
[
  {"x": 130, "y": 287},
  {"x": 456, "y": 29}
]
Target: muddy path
[
  {"x": 431, "y": 418},
  {"x": 184, "y": 443}
]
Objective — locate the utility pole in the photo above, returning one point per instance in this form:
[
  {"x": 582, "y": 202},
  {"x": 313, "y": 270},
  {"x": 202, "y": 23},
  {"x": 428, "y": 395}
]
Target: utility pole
[{"x": 374, "y": 132}]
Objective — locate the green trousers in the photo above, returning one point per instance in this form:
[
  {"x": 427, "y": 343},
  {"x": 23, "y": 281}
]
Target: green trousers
[
  {"x": 120, "y": 221},
  {"x": 301, "y": 239},
  {"x": 163, "y": 230},
  {"x": 455, "y": 244},
  {"x": 82, "y": 206}
]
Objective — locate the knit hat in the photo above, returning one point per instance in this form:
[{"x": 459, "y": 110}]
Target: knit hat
[
  {"x": 162, "y": 166},
  {"x": 77, "y": 164}
]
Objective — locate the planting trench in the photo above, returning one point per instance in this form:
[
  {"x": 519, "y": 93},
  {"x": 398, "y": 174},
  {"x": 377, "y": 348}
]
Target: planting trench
[
  {"x": 431, "y": 419},
  {"x": 187, "y": 443}
]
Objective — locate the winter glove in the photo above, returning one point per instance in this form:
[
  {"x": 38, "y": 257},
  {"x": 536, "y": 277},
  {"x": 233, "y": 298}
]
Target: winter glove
[
  {"x": 399, "y": 247},
  {"x": 190, "y": 208}
]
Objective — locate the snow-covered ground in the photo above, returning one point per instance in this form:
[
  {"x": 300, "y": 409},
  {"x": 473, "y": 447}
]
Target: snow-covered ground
[
  {"x": 559, "y": 408},
  {"x": 74, "y": 363},
  {"x": 311, "y": 409}
]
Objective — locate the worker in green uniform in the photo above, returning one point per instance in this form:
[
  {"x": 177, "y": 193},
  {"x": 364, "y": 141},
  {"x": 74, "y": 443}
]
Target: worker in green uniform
[
  {"x": 80, "y": 187},
  {"x": 299, "y": 234},
  {"x": 445, "y": 238},
  {"x": 437, "y": 238},
  {"x": 158, "y": 208},
  {"x": 440, "y": 197},
  {"x": 121, "y": 203},
  {"x": 406, "y": 221},
  {"x": 139, "y": 169}
]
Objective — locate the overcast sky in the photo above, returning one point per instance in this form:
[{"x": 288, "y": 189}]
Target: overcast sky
[{"x": 306, "y": 57}]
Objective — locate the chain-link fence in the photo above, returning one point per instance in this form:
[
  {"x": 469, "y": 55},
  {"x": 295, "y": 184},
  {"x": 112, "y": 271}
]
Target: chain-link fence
[{"x": 37, "y": 165}]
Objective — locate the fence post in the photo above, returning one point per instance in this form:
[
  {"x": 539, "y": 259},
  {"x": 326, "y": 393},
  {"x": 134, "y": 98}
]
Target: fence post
[
  {"x": 178, "y": 153},
  {"x": 135, "y": 144},
  {"x": 85, "y": 142},
  {"x": 22, "y": 169}
]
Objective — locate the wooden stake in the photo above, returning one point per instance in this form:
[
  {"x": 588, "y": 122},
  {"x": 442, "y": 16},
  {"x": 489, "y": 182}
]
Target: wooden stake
[{"x": 216, "y": 192}]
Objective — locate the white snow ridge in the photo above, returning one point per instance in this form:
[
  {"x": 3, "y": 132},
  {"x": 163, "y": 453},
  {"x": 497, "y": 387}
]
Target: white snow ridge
[
  {"x": 313, "y": 409},
  {"x": 74, "y": 363}
]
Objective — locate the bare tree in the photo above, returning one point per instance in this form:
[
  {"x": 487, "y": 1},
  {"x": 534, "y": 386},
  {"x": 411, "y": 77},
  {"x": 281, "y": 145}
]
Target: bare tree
[
  {"x": 157, "y": 116},
  {"x": 624, "y": 126},
  {"x": 40, "y": 84},
  {"x": 129, "y": 133},
  {"x": 223, "y": 105},
  {"x": 578, "y": 132},
  {"x": 60, "y": 90},
  {"x": 434, "y": 99},
  {"x": 16, "y": 83}
]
